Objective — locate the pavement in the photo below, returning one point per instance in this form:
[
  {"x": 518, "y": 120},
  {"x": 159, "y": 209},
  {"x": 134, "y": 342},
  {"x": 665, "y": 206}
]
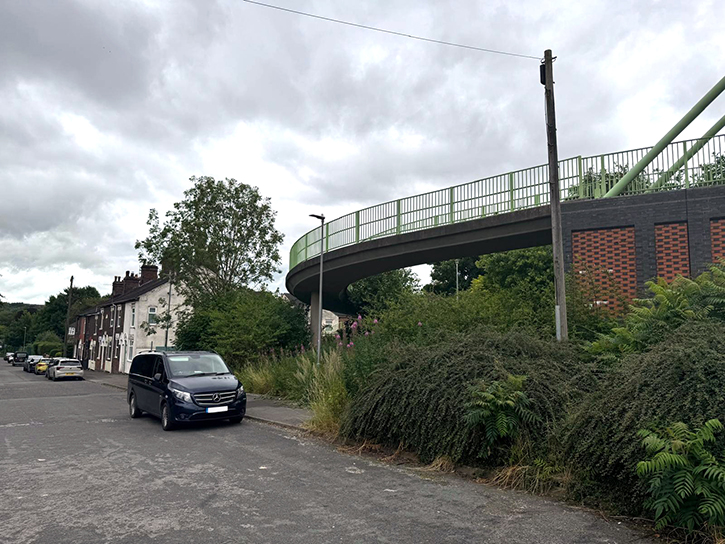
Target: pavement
[
  {"x": 75, "y": 468},
  {"x": 259, "y": 408}
]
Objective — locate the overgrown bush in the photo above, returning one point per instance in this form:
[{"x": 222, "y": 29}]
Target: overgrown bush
[
  {"x": 686, "y": 479},
  {"x": 418, "y": 398},
  {"x": 682, "y": 378},
  {"x": 652, "y": 319}
]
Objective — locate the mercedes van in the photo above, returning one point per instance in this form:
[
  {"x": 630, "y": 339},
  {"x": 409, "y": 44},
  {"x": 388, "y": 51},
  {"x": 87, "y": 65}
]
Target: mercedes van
[{"x": 183, "y": 387}]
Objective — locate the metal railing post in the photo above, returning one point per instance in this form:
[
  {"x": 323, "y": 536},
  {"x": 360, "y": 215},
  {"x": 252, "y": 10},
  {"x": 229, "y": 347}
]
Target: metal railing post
[
  {"x": 397, "y": 224},
  {"x": 451, "y": 212},
  {"x": 327, "y": 237},
  {"x": 357, "y": 227},
  {"x": 511, "y": 190},
  {"x": 581, "y": 176},
  {"x": 684, "y": 155}
]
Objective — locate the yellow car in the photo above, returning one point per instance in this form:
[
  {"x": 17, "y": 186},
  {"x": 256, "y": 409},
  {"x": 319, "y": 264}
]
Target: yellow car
[{"x": 42, "y": 366}]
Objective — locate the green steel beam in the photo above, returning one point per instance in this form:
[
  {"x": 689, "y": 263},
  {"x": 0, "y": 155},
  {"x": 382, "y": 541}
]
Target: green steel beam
[
  {"x": 664, "y": 178},
  {"x": 696, "y": 110}
]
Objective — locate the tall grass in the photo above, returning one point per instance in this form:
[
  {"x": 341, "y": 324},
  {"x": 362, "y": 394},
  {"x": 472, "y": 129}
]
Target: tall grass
[{"x": 327, "y": 393}]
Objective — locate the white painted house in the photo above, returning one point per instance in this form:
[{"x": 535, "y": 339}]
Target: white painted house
[{"x": 110, "y": 334}]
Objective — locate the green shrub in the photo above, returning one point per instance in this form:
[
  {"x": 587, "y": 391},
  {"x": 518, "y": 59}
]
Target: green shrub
[
  {"x": 242, "y": 325},
  {"x": 418, "y": 398},
  {"x": 500, "y": 410},
  {"x": 686, "y": 480},
  {"x": 682, "y": 378},
  {"x": 652, "y": 319}
]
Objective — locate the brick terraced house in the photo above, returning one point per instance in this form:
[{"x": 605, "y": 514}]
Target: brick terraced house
[{"x": 108, "y": 335}]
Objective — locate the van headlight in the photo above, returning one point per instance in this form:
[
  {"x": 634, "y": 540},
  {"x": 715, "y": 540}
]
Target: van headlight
[
  {"x": 181, "y": 395},
  {"x": 240, "y": 391}
]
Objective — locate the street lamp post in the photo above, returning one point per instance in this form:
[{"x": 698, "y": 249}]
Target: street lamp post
[{"x": 321, "y": 217}]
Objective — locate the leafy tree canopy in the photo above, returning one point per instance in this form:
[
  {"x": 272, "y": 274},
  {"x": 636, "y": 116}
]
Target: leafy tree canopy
[
  {"x": 51, "y": 316},
  {"x": 532, "y": 267},
  {"x": 243, "y": 324},
  {"x": 443, "y": 276},
  {"x": 378, "y": 292},
  {"x": 219, "y": 238}
]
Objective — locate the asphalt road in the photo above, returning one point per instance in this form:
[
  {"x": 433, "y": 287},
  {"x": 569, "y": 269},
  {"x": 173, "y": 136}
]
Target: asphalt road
[{"x": 75, "y": 468}]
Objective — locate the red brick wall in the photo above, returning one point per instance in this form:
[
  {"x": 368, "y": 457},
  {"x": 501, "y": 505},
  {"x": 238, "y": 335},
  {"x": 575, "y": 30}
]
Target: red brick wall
[
  {"x": 717, "y": 237},
  {"x": 605, "y": 265},
  {"x": 673, "y": 250}
]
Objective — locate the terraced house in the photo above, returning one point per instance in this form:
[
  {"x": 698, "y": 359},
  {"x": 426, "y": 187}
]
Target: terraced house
[{"x": 134, "y": 318}]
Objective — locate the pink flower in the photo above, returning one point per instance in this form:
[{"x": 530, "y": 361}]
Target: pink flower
[
  {"x": 352, "y": 344},
  {"x": 349, "y": 345},
  {"x": 372, "y": 332},
  {"x": 359, "y": 317},
  {"x": 337, "y": 336},
  {"x": 367, "y": 333},
  {"x": 375, "y": 321},
  {"x": 339, "y": 343},
  {"x": 354, "y": 325},
  {"x": 420, "y": 324}
]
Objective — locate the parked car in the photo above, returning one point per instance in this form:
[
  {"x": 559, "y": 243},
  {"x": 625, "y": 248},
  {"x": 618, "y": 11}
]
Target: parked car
[
  {"x": 184, "y": 386},
  {"x": 9, "y": 357},
  {"x": 30, "y": 362},
  {"x": 19, "y": 358},
  {"x": 42, "y": 365},
  {"x": 64, "y": 368}
]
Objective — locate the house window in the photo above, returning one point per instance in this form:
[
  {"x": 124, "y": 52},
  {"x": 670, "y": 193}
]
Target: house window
[
  {"x": 113, "y": 315},
  {"x": 133, "y": 315},
  {"x": 152, "y": 315}
]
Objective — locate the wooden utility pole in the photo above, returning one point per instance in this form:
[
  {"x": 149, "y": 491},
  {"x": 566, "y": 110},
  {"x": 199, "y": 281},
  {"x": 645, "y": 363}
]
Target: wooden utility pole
[
  {"x": 67, "y": 319},
  {"x": 547, "y": 79}
]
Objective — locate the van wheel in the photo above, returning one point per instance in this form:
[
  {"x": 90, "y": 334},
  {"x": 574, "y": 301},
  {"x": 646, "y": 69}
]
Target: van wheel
[
  {"x": 133, "y": 409},
  {"x": 166, "y": 423}
]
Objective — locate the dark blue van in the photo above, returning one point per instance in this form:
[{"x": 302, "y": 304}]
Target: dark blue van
[{"x": 184, "y": 386}]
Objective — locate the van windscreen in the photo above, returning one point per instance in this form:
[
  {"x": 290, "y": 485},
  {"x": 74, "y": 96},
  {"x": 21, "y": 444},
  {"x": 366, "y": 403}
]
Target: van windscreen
[{"x": 201, "y": 364}]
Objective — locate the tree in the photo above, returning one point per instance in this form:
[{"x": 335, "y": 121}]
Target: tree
[
  {"x": 47, "y": 343},
  {"x": 377, "y": 292},
  {"x": 243, "y": 324},
  {"x": 219, "y": 238},
  {"x": 531, "y": 268},
  {"x": 51, "y": 316},
  {"x": 443, "y": 276}
]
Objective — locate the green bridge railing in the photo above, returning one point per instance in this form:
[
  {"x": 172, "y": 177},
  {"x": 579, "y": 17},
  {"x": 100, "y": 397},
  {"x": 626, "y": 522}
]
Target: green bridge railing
[{"x": 690, "y": 163}]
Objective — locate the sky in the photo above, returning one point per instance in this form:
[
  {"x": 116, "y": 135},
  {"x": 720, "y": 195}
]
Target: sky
[{"x": 107, "y": 107}]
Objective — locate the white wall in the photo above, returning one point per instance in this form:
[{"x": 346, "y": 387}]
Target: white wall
[{"x": 134, "y": 337}]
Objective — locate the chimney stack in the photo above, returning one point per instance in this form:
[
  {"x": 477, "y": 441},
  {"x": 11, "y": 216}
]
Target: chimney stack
[
  {"x": 117, "y": 288},
  {"x": 130, "y": 282},
  {"x": 149, "y": 272}
]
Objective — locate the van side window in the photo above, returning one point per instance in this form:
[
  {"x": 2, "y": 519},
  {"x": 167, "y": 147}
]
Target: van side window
[
  {"x": 159, "y": 368},
  {"x": 143, "y": 365}
]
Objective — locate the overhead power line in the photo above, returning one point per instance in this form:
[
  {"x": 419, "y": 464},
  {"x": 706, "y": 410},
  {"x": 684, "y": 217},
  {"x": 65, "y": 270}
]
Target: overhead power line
[{"x": 393, "y": 32}]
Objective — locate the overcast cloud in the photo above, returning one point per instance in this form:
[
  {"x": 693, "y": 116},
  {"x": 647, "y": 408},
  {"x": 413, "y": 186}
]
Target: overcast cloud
[{"x": 108, "y": 107}]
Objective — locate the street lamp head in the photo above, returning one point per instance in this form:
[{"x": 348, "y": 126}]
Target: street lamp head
[{"x": 321, "y": 217}]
